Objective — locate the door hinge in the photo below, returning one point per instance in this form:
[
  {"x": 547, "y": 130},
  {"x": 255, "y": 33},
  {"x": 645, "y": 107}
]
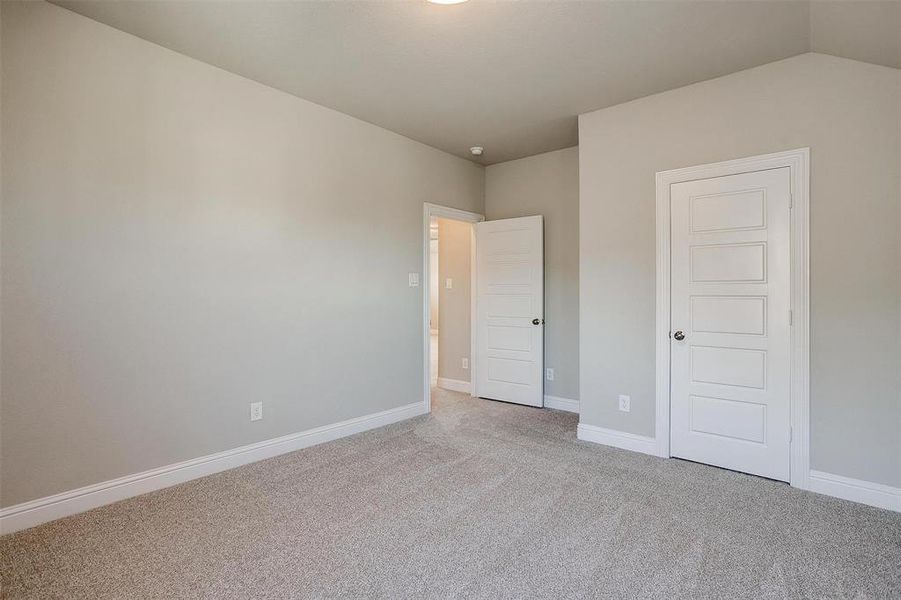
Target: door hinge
[
  {"x": 791, "y": 318},
  {"x": 791, "y": 201},
  {"x": 791, "y": 434}
]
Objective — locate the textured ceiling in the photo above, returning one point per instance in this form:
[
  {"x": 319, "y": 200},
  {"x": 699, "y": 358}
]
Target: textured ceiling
[{"x": 509, "y": 76}]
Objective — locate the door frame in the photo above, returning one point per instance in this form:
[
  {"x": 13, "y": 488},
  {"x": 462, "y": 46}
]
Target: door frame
[
  {"x": 429, "y": 211},
  {"x": 798, "y": 161}
]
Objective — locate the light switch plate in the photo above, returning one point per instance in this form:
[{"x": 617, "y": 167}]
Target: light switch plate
[
  {"x": 549, "y": 374},
  {"x": 448, "y": 284},
  {"x": 465, "y": 362},
  {"x": 414, "y": 279}
]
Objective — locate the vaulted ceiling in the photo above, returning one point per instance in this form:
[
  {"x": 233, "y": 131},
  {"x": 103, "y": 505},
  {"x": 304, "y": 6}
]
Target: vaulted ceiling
[{"x": 509, "y": 76}]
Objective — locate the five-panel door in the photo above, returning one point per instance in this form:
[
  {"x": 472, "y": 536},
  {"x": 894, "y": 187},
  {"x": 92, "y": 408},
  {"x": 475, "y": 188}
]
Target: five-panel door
[
  {"x": 730, "y": 322},
  {"x": 510, "y": 310}
]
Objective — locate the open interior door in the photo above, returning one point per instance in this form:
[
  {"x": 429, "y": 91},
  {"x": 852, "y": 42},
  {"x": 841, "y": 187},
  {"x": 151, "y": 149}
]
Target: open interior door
[{"x": 510, "y": 310}]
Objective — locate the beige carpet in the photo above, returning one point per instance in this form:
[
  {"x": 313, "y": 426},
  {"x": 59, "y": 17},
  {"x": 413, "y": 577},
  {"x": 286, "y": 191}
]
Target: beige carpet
[{"x": 478, "y": 500}]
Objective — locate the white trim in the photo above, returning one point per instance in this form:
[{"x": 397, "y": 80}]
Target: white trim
[
  {"x": 473, "y": 311},
  {"x": 454, "y": 385},
  {"x": 798, "y": 161},
  {"x": 865, "y": 492},
  {"x": 473, "y": 306},
  {"x": 559, "y": 403},
  {"x": 430, "y": 210},
  {"x": 617, "y": 439},
  {"x": 49, "y": 508}
]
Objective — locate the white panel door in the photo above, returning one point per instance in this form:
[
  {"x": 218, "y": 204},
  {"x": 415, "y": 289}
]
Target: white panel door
[
  {"x": 510, "y": 310},
  {"x": 730, "y": 340}
]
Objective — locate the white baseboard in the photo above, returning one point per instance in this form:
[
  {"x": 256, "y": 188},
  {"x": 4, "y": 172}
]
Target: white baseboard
[
  {"x": 617, "y": 439},
  {"x": 559, "y": 403},
  {"x": 42, "y": 510},
  {"x": 454, "y": 385},
  {"x": 35, "y": 512},
  {"x": 856, "y": 490}
]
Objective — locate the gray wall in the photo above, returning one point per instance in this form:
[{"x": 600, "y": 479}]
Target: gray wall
[
  {"x": 548, "y": 184},
  {"x": 848, "y": 113},
  {"x": 454, "y": 305},
  {"x": 178, "y": 242}
]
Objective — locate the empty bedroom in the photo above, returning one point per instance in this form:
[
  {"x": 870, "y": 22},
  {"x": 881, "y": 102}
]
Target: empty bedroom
[{"x": 450, "y": 299}]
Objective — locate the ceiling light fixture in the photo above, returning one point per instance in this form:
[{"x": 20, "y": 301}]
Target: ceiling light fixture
[
  {"x": 477, "y": 150},
  {"x": 447, "y": 1}
]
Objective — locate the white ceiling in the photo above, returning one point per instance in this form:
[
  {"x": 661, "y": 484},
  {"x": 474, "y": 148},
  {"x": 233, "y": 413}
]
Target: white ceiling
[{"x": 509, "y": 76}]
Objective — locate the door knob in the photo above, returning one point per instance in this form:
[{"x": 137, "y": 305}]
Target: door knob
[
  {"x": 679, "y": 336},
  {"x": 537, "y": 321}
]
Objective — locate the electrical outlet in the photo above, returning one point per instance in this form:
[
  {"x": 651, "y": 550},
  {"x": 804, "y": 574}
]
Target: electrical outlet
[
  {"x": 549, "y": 374},
  {"x": 465, "y": 362},
  {"x": 448, "y": 284},
  {"x": 256, "y": 411},
  {"x": 414, "y": 279},
  {"x": 625, "y": 403}
]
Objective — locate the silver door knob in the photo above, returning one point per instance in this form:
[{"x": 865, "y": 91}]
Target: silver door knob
[{"x": 679, "y": 336}]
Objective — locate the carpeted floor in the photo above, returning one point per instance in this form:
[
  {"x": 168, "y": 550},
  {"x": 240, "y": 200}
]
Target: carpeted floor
[{"x": 478, "y": 500}]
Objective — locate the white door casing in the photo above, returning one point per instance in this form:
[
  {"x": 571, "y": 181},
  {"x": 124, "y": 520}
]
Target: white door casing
[
  {"x": 509, "y": 323},
  {"x": 798, "y": 162},
  {"x": 730, "y": 302}
]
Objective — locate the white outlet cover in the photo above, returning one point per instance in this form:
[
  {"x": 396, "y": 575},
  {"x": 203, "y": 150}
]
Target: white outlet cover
[
  {"x": 465, "y": 362},
  {"x": 414, "y": 279},
  {"x": 448, "y": 284},
  {"x": 256, "y": 411},
  {"x": 625, "y": 403},
  {"x": 549, "y": 374}
]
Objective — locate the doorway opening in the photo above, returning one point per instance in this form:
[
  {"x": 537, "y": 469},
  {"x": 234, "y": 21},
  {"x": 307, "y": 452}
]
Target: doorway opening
[
  {"x": 449, "y": 306},
  {"x": 448, "y": 270}
]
